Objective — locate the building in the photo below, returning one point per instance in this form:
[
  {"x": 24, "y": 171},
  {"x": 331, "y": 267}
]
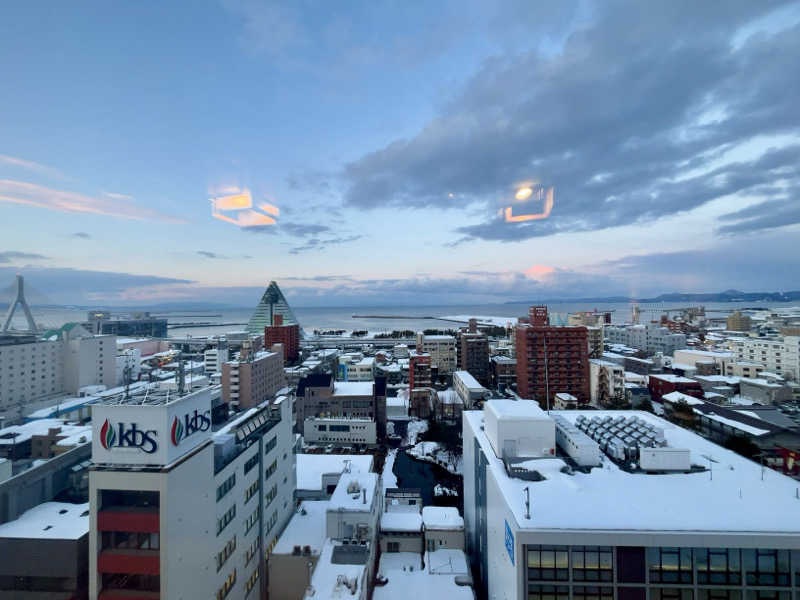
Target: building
[
  {"x": 401, "y": 531},
  {"x": 444, "y": 528},
  {"x": 606, "y": 382},
  {"x": 319, "y": 396},
  {"x": 135, "y": 325},
  {"x": 473, "y": 353},
  {"x": 181, "y": 511},
  {"x": 288, "y": 335},
  {"x": 736, "y": 321},
  {"x": 468, "y": 388},
  {"x": 743, "y": 368},
  {"x": 419, "y": 385},
  {"x": 272, "y": 303},
  {"x": 588, "y": 319},
  {"x": 318, "y": 474},
  {"x": 253, "y": 379},
  {"x": 594, "y": 337},
  {"x": 503, "y": 371},
  {"x": 340, "y": 431},
  {"x": 765, "y": 390},
  {"x": 447, "y": 407},
  {"x": 214, "y": 358},
  {"x": 45, "y": 553},
  {"x": 719, "y": 361},
  {"x": 650, "y": 338},
  {"x": 551, "y": 359},
  {"x": 780, "y": 355},
  {"x": 65, "y": 360},
  {"x": 128, "y": 366},
  {"x": 538, "y": 530},
  {"x": 362, "y": 369},
  {"x": 442, "y": 349},
  {"x": 666, "y": 383}
]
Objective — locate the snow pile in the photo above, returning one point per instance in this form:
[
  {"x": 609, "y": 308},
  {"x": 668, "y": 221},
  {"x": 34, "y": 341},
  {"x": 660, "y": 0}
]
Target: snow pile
[
  {"x": 415, "y": 427},
  {"x": 440, "y": 490},
  {"x": 432, "y": 452},
  {"x": 388, "y": 476}
]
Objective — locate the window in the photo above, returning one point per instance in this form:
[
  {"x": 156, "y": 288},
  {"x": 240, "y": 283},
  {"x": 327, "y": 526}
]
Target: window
[
  {"x": 768, "y": 595},
  {"x": 591, "y": 592},
  {"x": 222, "y": 522},
  {"x": 227, "y": 550},
  {"x": 252, "y": 551},
  {"x": 718, "y": 594},
  {"x": 270, "y": 470},
  {"x": 393, "y": 547},
  {"x": 592, "y": 563},
  {"x": 271, "y": 444},
  {"x": 251, "y": 520},
  {"x": 718, "y": 565},
  {"x": 767, "y": 567},
  {"x": 548, "y": 563},
  {"x": 548, "y": 592},
  {"x": 227, "y": 586},
  {"x": 251, "y": 462},
  {"x": 670, "y": 565},
  {"x": 251, "y": 491},
  {"x": 665, "y": 593},
  {"x": 226, "y": 486},
  {"x": 270, "y": 495},
  {"x": 251, "y": 582}
]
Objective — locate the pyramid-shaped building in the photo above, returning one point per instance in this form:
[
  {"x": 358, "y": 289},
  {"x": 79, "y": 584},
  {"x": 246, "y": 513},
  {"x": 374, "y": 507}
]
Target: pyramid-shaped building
[{"x": 272, "y": 303}]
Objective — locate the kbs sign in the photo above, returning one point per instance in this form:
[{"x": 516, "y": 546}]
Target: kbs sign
[{"x": 150, "y": 434}]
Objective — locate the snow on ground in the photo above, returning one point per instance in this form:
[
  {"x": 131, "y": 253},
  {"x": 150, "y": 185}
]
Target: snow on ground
[
  {"x": 440, "y": 490},
  {"x": 388, "y": 476},
  {"x": 432, "y": 452},
  {"x": 415, "y": 427}
]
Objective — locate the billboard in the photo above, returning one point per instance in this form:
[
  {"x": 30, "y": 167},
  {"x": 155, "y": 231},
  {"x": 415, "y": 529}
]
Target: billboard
[{"x": 150, "y": 434}]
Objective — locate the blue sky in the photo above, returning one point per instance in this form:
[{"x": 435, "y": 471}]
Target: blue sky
[{"x": 391, "y": 135}]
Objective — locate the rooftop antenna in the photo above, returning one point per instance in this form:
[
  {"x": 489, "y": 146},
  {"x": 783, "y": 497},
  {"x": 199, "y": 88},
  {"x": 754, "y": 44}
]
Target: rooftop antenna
[
  {"x": 19, "y": 300},
  {"x": 527, "y": 502}
]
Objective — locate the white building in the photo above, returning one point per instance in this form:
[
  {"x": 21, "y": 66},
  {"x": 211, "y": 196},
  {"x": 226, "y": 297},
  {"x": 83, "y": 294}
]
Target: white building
[
  {"x": 129, "y": 365},
  {"x": 442, "y": 349},
  {"x": 213, "y": 359},
  {"x": 721, "y": 360},
  {"x": 536, "y": 529},
  {"x": 651, "y": 338},
  {"x": 606, "y": 381},
  {"x": 781, "y": 356},
  {"x": 34, "y": 370},
  {"x": 361, "y": 370},
  {"x": 468, "y": 388},
  {"x": 444, "y": 528},
  {"x": 180, "y": 512},
  {"x": 341, "y": 431}
]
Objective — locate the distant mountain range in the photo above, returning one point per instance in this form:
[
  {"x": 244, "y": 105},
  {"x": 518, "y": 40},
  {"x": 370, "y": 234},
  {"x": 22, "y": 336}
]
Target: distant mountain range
[{"x": 726, "y": 296}]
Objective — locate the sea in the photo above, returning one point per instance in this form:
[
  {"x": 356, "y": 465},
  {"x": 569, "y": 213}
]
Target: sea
[{"x": 207, "y": 322}]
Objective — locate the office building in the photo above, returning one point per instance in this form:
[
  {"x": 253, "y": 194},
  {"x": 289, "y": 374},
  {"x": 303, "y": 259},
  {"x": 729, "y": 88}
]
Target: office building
[
  {"x": 551, "y": 359},
  {"x": 736, "y": 321},
  {"x": 286, "y": 334},
  {"x": 442, "y": 349},
  {"x": 252, "y": 379},
  {"x": 319, "y": 396},
  {"x": 135, "y": 325},
  {"x": 780, "y": 355},
  {"x": 272, "y": 303},
  {"x": 713, "y": 528},
  {"x": 650, "y": 338},
  {"x": 181, "y": 511}
]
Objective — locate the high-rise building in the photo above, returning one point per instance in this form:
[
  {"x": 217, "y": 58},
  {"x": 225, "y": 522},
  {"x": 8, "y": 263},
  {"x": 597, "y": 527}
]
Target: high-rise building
[
  {"x": 472, "y": 352},
  {"x": 179, "y": 511},
  {"x": 442, "y": 349},
  {"x": 777, "y": 355},
  {"x": 736, "y": 321},
  {"x": 252, "y": 379},
  {"x": 551, "y": 359},
  {"x": 288, "y": 335},
  {"x": 419, "y": 385},
  {"x": 536, "y": 529},
  {"x": 135, "y": 325},
  {"x": 272, "y": 303},
  {"x": 649, "y": 338}
]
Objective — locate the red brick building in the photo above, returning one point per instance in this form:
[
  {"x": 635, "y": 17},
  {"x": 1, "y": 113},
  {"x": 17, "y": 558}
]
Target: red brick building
[
  {"x": 288, "y": 335},
  {"x": 419, "y": 385},
  {"x": 554, "y": 359},
  {"x": 659, "y": 385}
]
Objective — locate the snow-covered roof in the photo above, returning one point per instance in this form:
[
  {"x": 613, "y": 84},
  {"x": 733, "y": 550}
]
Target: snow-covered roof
[
  {"x": 679, "y": 397},
  {"x": 49, "y": 520},
  {"x": 468, "y": 380},
  {"x": 401, "y": 521},
  {"x": 442, "y": 517},
  {"x": 341, "y": 499},
  {"x": 636, "y": 501},
  {"x": 673, "y": 378},
  {"x": 16, "y": 434},
  {"x": 328, "y": 578},
  {"x": 352, "y": 388},
  {"x": 514, "y": 409},
  {"x": 407, "y": 579},
  {"x": 305, "y": 528},
  {"x": 61, "y": 406},
  {"x": 311, "y": 467},
  {"x": 744, "y": 427},
  {"x": 683, "y": 366}
]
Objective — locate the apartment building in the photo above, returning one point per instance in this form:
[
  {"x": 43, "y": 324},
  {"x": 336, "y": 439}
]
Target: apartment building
[
  {"x": 442, "y": 349},
  {"x": 253, "y": 379},
  {"x": 650, "y": 338},
  {"x": 473, "y": 354},
  {"x": 214, "y": 358},
  {"x": 779, "y": 355},
  {"x": 178, "y": 511},
  {"x": 538, "y": 530},
  {"x": 606, "y": 382},
  {"x": 287, "y": 335}
]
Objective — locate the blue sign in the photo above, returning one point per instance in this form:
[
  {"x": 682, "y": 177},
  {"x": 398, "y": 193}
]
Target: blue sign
[{"x": 510, "y": 543}]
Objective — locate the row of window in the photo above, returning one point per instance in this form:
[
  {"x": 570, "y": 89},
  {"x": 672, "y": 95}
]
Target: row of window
[
  {"x": 562, "y": 592},
  {"x": 251, "y": 520},
  {"x": 226, "y": 486},
  {"x": 271, "y": 523},
  {"x": 270, "y": 445},
  {"x": 252, "y": 551},
  {"x": 227, "y": 586},
  {"x": 251, "y": 491},
  {"x": 224, "y": 554},
  {"x": 270, "y": 470},
  {"x": 222, "y": 522},
  {"x": 251, "y": 582},
  {"x": 270, "y": 495},
  {"x": 589, "y": 563},
  {"x": 129, "y": 540},
  {"x": 251, "y": 462}
]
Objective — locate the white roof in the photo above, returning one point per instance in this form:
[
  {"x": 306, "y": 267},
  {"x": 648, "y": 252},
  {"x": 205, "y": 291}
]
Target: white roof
[
  {"x": 468, "y": 380},
  {"x": 352, "y": 388},
  {"x": 50, "y": 520},
  {"x": 16, "y": 434},
  {"x": 435, "y": 581},
  {"x": 311, "y": 467},
  {"x": 304, "y": 529},
  {"x": 401, "y": 521},
  {"x": 736, "y": 424},
  {"x": 326, "y": 578},
  {"x": 442, "y": 517},
  {"x": 342, "y": 499},
  {"x": 636, "y": 501},
  {"x": 678, "y": 397},
  {"x": 673, "y": 378},
  {"x": 516, "y": 409}
]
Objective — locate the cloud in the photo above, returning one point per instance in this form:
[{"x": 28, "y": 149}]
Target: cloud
[
  {"x": 28, "y": 165},
  {"x": 11, "y": 255},
  {"x": 627, "y": 121},
  {"x": 32, "y": 194},
  {"x": 303, "y": 229},
  {"x": 82, "y": 235},
  {"x": 320, "y": 244},
  {"x": 209, "y": 254}
]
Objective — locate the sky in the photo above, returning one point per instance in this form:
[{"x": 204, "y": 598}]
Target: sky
[{"x": 398, "y": 152}]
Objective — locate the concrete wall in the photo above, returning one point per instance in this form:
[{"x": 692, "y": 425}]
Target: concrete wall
[
  {"x": 46, "y": 558},
  {"x": 436, "y": 539},
  {"x": 289, "y": 575},
  {"x": 408, "y": 542}
]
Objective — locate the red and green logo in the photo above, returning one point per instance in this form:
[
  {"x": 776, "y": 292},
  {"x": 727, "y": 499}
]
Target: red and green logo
[
  {"x": 107, "y": 435},
  {"x": 176, "y": 432}
]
